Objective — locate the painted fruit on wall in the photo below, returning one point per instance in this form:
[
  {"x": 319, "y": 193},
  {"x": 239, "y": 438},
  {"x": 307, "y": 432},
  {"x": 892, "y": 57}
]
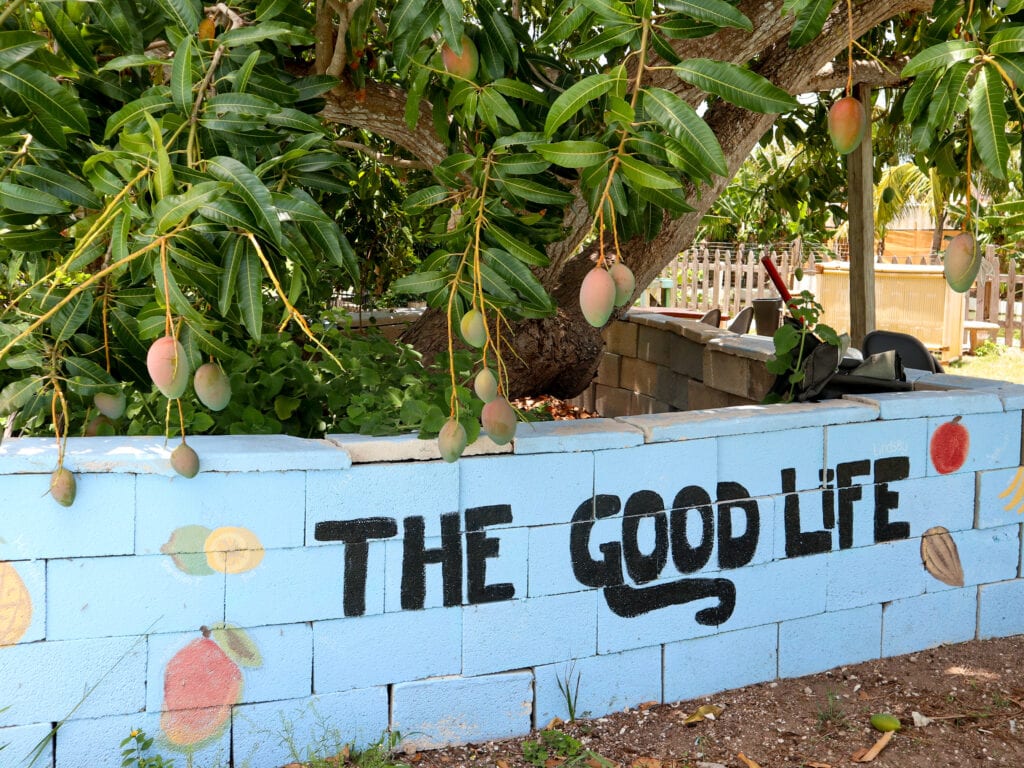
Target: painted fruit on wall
[
  {"x": 201, "y": 684},
  {"x": 15, "y": 606},
  {"x": 949, "y": 446}
]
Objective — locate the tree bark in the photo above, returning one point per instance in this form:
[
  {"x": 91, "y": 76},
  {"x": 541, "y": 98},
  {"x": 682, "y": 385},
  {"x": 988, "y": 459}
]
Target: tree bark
[{"x": 559, "y": 355}]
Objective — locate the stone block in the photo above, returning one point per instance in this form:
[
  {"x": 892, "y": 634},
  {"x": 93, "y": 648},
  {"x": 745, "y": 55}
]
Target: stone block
[
  {"x": 621, "y": 337},
  {"x": 608, "y": 369},
  {"x": 613, "y": 401},
  {"x": 688, "y": 358},
  {"x": 638, "y": 376},
  {"x": 655, "y": 345},
  {"x": 701, "y": 397},
  {"x": 743, "y": 376}
]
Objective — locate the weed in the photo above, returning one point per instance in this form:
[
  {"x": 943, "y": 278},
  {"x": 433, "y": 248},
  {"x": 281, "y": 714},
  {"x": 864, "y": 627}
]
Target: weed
[
  {"x": 999, "y": 701},
  {"x": 559, "y": 746},
  {"x": 135, "y": 749},
  {"x": 379, "y": 754},
  {"x": 570, "y": 690},
  {"x": 832, "y": 713}
]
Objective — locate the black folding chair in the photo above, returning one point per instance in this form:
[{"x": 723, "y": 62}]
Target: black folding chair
[{"x": 913, "y": 353}]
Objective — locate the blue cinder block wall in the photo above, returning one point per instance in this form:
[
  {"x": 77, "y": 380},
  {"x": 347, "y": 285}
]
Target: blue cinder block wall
[{"x": 305, "y": 594}]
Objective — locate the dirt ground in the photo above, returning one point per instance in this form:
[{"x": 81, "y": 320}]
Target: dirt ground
[{"x": 973, "y": 694}]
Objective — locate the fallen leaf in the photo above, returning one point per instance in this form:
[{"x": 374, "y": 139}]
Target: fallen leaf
[
  {"x": 814, "y": 764},
  {"x": 555, "y": 723},
  {"x": 747, "y": 761},
  {"x": 646, "y": 762},
  {"x": 703, "y": 712},
  {"x": 501, "y": 763},
  {"x": 940, "y": 556},
  {"x": 645, "y": 705},
  {"x": 593, "y": 762},
  {"x": 856, "y": 756},
  {"x": 553, "y": 762}
]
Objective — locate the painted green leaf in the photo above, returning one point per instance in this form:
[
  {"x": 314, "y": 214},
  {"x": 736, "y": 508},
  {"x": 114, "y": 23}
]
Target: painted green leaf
[
  {"x": 44, "y": 94},
  {"x": 988, "y": 121},
  {"x": 736, "y": 85},
  {"x": 941, "y": 56},
  {"x": 685, "y": 126},
  {"x": 574, "y": 98},
  {"x": 716, "y": 12},
  {"x": 810, "y": 19},
  {"x": 237, "y": 644},
  {"x": 419, "y": 282},
  {"x": 250, "y": 294},
  {"x": 574, "y": 154}
]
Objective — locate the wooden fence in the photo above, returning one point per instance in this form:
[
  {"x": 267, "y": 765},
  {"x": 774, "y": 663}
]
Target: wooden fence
[{"x": 729, "y": 276}]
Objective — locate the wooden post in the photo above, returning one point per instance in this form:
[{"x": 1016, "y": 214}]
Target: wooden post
[{"x": 862, "y": 228}]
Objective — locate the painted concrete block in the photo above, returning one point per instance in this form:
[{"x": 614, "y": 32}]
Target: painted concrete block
[
  {"x": 874, "y": 574},
  {"x": 19, "y": 744},
  {"x": 280, "y": 670},
  {"x": 270, "y": 504},
  {"x": 758, "y": 465},
  {"x": 994, "y": 442},
  {"x": 598, "y": 684},
  {"x": 111, "y": 596},
  {"x": 934, "y": 402},
  {"x": 550, "y": 559},
  {"x": 946, "y": 500},
  {"x": 541, "y": 490},
  {"x": 94, "y": 743},
  {"x": 1000, "y": 497},
  {"x": 393, "y": 647},
  {"x": 456, "y": 710},
  {"x": 266, "y": 453},
  {"x": 477, "y": 566},
  {"x": 664, "y": 469},
  {"x": 695, "y": 668},
  {"x": 987, "y": 555},
  {"x": 42, "y": 682},
  {"x": 23, "y": 593},
  {"x": 1001, "y": 609},
  {"x": 878, "y": 440},
  {"x": 816, "y": 643},
  {"x": 368, "y": 449},
  {"x": 575, "y": 435},
  {"x": 924, "y": 621},
  {"x": 777, "y": 591},
  {"x": 524, "y": 633},
  {"x": 311, "y": 585},
  {"x": 36, "y": 526},
  {"x": 273, "y": 733},
  {"x": 390, "y": 491}
]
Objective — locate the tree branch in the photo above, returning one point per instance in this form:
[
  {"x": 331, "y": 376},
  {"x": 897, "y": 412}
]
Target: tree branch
[{"x": 380, "y": 157}]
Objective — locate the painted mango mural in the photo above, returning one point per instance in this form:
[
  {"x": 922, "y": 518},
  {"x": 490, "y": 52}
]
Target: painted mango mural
[{"x": 337, "y": 589}]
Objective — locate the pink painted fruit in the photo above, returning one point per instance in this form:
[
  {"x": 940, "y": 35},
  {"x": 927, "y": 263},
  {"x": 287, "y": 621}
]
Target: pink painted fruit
[{"x": 201, "y": 684}]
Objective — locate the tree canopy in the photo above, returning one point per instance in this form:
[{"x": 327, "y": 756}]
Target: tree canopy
[{"x": 175, "y": 169}]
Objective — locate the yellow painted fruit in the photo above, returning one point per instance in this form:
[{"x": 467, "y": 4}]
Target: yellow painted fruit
[
  {"x": 451, "y": 440},
  {"x": 597, "y": 296},
  {"x": 472, "y": 327},
  {"x": 846, "y": 124},
  {"x": 233, "y": 549},
  {"x": 625, "y": 282},
  {"x": 961, "y": 262},
  {"x": 15, "y": 606}
]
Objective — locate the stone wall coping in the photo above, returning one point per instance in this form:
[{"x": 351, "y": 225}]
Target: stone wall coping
[{"x": 748, "y": 346}]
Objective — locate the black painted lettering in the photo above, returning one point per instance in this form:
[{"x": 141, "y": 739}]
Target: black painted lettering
[
  {"x": 588, "y": 571},
  {"x": 629, "y": 602},
  {"x": 416, "y": 556},
  {"x": 686, "y": 557},
  {"x": 644, "y": 505},
  {"x": 799, "y": 543},
  {"x": 736, "y": 551},
  {"x": 479, "y": 547},
  {"x": 356, "y": 534},
  {"x": 886, "y": 471},
  {"x": 849, "y": 493},
  {"x": 827, "y": 478}
]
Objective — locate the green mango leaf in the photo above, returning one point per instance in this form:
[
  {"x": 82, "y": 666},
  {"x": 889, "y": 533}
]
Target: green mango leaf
[
  {"x": 268, "y": 9},
  {"x": 611, "y": 37},
  {"x": 250, "y": 293},
  {"x": 1007, "y": 40},
  {"x": 574, "y": 98},
  {"x": 66, "y": 33},
  {"x": 181, "y": 76},
  {"x": 425, "y": 198},
  {"x": 564, "y": 20},
  {"x": 716, "y": 12},
  {"x": 420, "y": 282},
  {"x": 687, "y": 127},
  {"x": 68, "y": 319},
  {"x": 248, "y": 186},
  {"x": 17, "y": 44},
  {"x": 946, "y": 94},
  {"x": 295, "y": 120},
  {"x": 988, "y": 121},
  {"x": 608, "y": 10},
  {"x": 672, "y": 200},
  {"x": 920, "y": 93},
  {"x": 86, "y": 377},
  {"x": 941, "y": 56},
  {"x": 61, "y": 185},
  {"x": 521, "y": 280},
  {"x": 526, "y": 164},
  {"x": 493, "y": 107},
  {"x": 643, "y": 174},
  {"x": 574, "y": 154},
  {"x": 17, "y": 394},
  {"x": 135, "y": 111},
  {"x": 810, "y": 20},
  {"x": 32, "y": 240},
  {"x": 535, "y": 192},
  {"x": 233, "y": 256},
  {"x": 242, "y": 103},
  {"x": 118, "y": 20},
  {"x": 736, "y": 85},
  {"x": 15, "y": 197},
  {"x": 268, "y": 30},
  {"x": 184, "y": 14},
  {"x": 174, "y": 209},
  {"x": 45, "y": 95},
  {"x": 521, "y": 250}
]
